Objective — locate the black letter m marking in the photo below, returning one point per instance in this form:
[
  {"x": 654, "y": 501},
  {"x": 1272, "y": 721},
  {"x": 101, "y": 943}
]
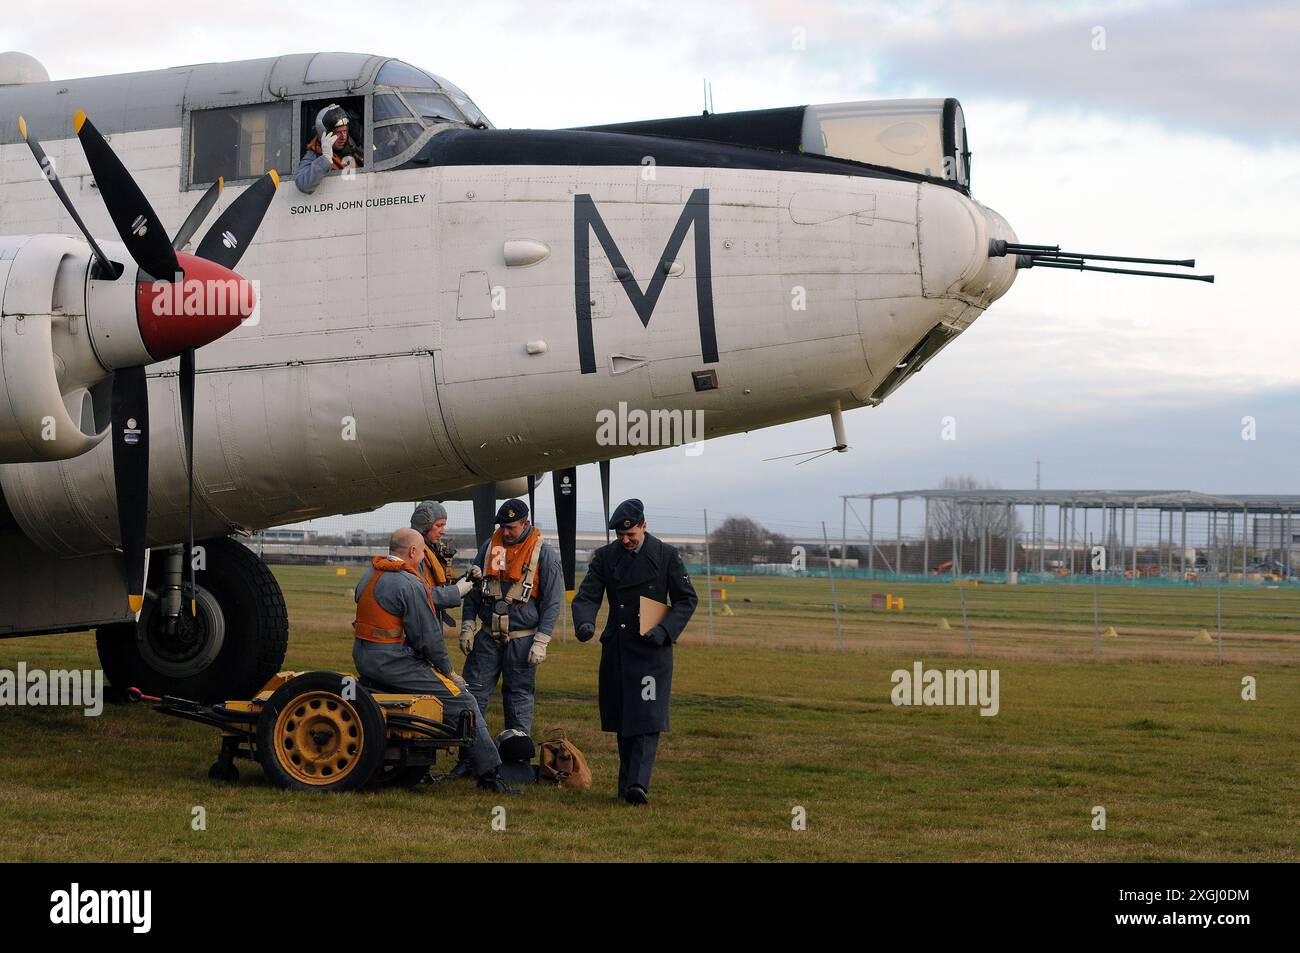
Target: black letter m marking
[{"x": 586, "y": 219}]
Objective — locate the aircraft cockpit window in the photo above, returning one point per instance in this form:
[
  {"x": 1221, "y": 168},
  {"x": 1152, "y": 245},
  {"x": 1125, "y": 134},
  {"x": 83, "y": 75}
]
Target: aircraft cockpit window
[
  {"x": 473, "y": 114},
  {"x": 409, "y": 107},
  {"x": 390, "y": 106},
  {"x": 406, "y": 77},
  {"x": 241, "y": 142},
  {"x": 434, "y": 107},
  {"x": 397, "y": 73}
]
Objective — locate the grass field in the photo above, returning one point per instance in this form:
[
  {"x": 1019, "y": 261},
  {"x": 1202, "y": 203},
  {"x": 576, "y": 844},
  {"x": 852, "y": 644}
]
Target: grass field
[{"x": 767, "y": 717}]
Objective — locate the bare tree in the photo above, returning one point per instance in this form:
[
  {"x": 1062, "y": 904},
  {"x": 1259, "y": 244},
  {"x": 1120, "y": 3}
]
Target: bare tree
[
  {"x": 739, "y": 539},
  {"x": 950, "y": 517}
]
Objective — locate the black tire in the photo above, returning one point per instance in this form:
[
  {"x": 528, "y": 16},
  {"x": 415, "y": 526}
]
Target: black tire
[
  {"x": 223, "y": 771},
  {"x": 255, "y": 633},
  {"x": 311, "y": 738},
  {"x": 398, "y": 776}
]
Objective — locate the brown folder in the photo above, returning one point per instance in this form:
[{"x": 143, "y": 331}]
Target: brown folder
[{"x": 652, "y": 613}]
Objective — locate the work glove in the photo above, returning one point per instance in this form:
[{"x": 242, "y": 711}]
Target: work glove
[
  {"x": 467, "y": 638},
  {"x": 327, "y": 143},
  {"x": 474, "y": 573},
  {"x": 537, "y": 654},
  {"x": 586, "y": 631},
  {"x": 460, "y": 681},
  {"x": 464, "y": 585}
]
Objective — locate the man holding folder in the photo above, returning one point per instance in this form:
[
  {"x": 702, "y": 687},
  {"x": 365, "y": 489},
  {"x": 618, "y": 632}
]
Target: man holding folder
[{"x": 650, "y": 601}]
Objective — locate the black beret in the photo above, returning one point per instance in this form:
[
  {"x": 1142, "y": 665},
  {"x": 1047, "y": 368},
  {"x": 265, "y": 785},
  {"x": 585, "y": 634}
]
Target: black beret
[
  {"x": 512, "y": 510},
  {"x": 629, "y": 513}
]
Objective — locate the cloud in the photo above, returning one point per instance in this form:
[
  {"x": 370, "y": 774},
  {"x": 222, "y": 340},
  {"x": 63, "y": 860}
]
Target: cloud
[{"x": 1219, "y": 67}]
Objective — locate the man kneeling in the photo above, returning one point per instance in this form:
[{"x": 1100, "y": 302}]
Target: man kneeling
[{"x": 399, "y": 643}]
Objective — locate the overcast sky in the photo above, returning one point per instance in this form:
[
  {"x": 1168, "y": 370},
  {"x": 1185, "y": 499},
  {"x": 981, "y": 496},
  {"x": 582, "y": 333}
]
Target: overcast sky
[{"x": 1177, "y": 139}]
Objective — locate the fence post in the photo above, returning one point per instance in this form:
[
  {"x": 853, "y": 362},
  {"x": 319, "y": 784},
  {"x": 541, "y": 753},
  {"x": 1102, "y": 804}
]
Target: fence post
[
  {"x": 708, "y": 570},
  {"x": 925, "y": 546},
  {"x": 871, "y": 537},
  {"x": 844, "y": 529},
  {"x": 961, "y": 589},
  {"x": 830, "y": 571},
  {"x": 1096, "y": 607},
  {"x": 1218, "y": 613}
]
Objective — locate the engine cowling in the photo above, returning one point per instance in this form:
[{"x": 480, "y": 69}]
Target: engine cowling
[
  {"x": 50, "y": 405},
  {"x": 64, "y": 331}
]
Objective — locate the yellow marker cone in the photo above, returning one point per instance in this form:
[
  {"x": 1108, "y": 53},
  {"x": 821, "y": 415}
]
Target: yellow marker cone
[
  {"x": 944, "y": 626},
  {"x": 340, "y": 571},
  {"x": 726, "y": 609},
  {"x": 1203, "y": 636},
  {"x": 1110, "y": 632}
]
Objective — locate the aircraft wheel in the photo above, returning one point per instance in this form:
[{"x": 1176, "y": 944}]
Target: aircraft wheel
[
  {"x": 310, "y": 737},
  {"x": 235, "y": 642}
]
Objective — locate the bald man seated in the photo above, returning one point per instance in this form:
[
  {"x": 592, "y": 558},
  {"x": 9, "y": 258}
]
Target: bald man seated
[{"x": 399, "y": 643}]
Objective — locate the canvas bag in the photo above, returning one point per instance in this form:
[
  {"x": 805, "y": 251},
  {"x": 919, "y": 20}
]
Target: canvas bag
[{"x": 561, "y": 763}]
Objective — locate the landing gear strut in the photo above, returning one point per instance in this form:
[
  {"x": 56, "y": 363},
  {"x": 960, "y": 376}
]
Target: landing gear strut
[{"x": 232, "y": 644}]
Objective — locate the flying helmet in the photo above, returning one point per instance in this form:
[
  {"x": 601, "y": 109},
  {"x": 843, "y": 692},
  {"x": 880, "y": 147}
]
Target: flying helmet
[
  {"x": 515, "y": 745},
  {"x": 330, "y": 118}
]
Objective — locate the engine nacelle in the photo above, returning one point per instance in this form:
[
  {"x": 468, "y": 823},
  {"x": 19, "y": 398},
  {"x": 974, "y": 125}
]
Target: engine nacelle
[
  {"x": 63, "y": 331},
  {"x": 54, "y": 397}
]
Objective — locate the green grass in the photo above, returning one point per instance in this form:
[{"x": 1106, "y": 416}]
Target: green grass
[{"x": 767, "y": 718}]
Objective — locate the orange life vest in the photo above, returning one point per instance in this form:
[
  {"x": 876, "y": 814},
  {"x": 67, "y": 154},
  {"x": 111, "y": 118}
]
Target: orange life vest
[
  {"x": 505, "y": 566},
  {"x": 374, "y": 623},
  {"x": 432, "y": 571}
]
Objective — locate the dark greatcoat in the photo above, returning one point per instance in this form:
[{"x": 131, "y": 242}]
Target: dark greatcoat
[{"x": 626, "y": 657}]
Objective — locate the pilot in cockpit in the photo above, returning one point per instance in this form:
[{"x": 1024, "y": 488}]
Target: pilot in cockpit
[{"x": 331, "y": 149}]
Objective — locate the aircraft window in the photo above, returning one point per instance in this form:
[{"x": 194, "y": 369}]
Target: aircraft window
[
  {"x": 434, "y": 106},
  {"x": 397, "y": 73},
  {"x": 241, "y": 142},
  {"x": 472, "y": 112},
  {"x": 392, "y": 138},
  {"x": 390, "y": 106}
]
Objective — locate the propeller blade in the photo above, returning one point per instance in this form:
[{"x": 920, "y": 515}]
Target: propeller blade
[
  {"x": 198, "y": 214},
  {"x": 565, "y": 484},
  {"x": 604, "y": 492},
  {"x": 187, "y": 426},
  {"x": 133, "y": 217},
  {"x": 532, "y": 504},
  {"x": 107, "y": 269},
  {"x": 233, "y": 231},
  {"x": 485, "y": 510},
  {"x": 130, "y": 412}
]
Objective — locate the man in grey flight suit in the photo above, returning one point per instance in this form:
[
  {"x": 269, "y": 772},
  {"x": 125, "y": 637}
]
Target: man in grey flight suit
[
  {"x": 411, "y": 655},
  {"x": 512, "y": 656},
  {"x": 331, "y": 149}
]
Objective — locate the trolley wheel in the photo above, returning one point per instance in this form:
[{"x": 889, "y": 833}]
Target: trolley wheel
[
  {"x": 222, "y": 770},
  {"x": 312, "y": 738},
  {"x": 398, "y": 776}
]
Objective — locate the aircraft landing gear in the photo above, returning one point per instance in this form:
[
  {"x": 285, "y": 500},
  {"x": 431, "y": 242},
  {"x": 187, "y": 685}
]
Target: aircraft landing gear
[{"x": 229, "y": 648}]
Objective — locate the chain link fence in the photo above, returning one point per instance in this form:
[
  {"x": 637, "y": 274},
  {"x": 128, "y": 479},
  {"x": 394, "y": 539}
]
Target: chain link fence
[{"x": 1205, "y": 591}]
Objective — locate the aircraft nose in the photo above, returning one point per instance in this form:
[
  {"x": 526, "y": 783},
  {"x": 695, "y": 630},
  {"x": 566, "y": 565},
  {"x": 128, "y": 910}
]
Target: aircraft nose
[
  {"x": 210, "y": 302},
  {"x": 954, "y": 233}
]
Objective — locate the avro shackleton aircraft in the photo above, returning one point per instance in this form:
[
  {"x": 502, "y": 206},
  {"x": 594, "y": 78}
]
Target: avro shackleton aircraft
[{"x": 433, "y": 325}]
